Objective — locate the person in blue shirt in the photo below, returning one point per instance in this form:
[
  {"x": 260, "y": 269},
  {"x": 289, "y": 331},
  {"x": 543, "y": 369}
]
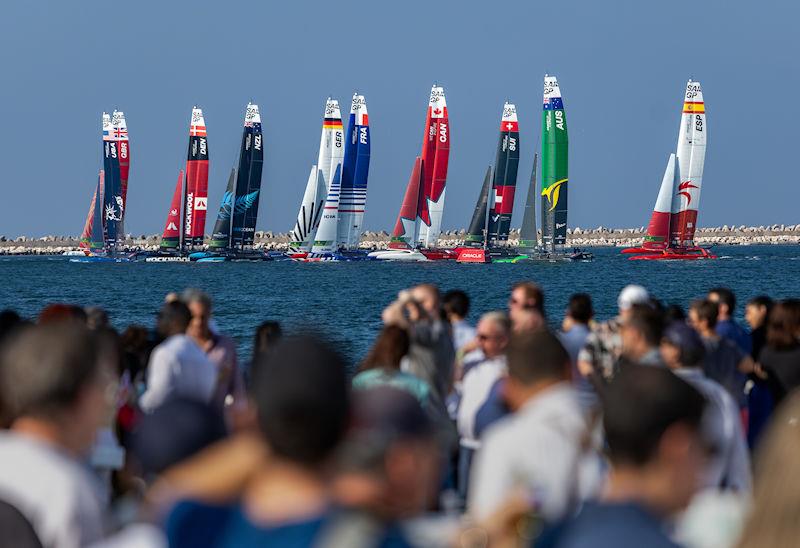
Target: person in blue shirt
[
  {"x": 652, "y": 423},
  {"x": 727, "y": 327},
  {"x": 574, "y": 333},
  {"x": 303, "y": 406}
]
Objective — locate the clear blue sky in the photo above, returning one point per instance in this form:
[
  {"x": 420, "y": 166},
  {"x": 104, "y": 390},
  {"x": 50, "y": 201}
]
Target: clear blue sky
[{"x": 622, "y": 67}]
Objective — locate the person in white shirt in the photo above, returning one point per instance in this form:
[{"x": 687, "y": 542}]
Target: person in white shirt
[
  {"x": 178, "y": 367},
  {"x": 56, "y": 385},
  {"x": 539, "y": 448},
  {"x": 480, "y": 378}
]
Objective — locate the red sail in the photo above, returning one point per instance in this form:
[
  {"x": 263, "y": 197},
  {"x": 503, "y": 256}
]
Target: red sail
[
  {"x": 428, "y": 157},
  {"x": 403, "y": 232},
  {"x": 196, "y": 180},
  {"x": 172, "y": 234},
  {"x": 86, "y": 235},
  {"x": 439, "y": 176}
]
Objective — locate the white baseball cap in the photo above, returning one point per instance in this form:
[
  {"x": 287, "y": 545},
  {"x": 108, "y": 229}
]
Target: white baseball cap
[{"x": 631, "y": 295}]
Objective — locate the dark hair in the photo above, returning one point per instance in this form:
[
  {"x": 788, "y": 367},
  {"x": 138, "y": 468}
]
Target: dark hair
[
  {"x": 537, "y": 356},
  {"x": 267, "y": 334},
  {"x": 456, "y": 302},
  {"x": 706, "y": 311},
  {"x": 532, "y": 293},
  {"x": 725, "y": 296},
  {"x": 580, "y": 307},
  {"x": 389, "y": 348},
  {"x": 691, "y": 350},
  {"x": 647, "y": 321},
  {"x": 674, "y": 313},
  {"x": 639, "y": 405},
  {"x": 44, "y": 369},
  {"x": 96, "y": 317},
  {"x": 762, "y": 300},
  {"x": 783, "y": 324},
  {"x": 174, "y": 317},
  {"x": 301, "y": 395},
  {"x": 59, "y": 312},
  {"x": 10, "y": 321}
]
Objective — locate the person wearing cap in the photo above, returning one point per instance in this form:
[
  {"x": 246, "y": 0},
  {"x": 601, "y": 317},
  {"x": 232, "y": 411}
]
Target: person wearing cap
[
  {"x": 598, "y": 358},
  {"x": 387, "y": 469},
  {"x": 683, "y": 352}
]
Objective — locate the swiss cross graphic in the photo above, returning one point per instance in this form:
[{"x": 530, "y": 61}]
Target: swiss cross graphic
[
  {"x": 498, "y": 198},
  {"x": 509, "y": 126}
]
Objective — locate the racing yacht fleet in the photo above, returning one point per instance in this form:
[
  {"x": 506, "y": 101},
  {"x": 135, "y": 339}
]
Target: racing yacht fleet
[{"x": 331, "y": 214}]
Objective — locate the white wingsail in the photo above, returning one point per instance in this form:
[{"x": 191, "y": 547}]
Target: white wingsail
[
  {"x": 302, "y": 234},
  {"x": 691, "y": 154},
  {"x": 331, "y": 154}
]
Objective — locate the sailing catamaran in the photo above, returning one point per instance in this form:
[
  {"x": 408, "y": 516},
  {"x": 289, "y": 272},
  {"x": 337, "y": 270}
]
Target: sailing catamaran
[
  {"x": 234, "y": 231},
  {"x": 103, "y": 230},
  {"x": 185, "y": 227},
  {"x": 670, "y": 234},
  {"x": 491, "y": 221},
  {"x": 416, "y": 233}
]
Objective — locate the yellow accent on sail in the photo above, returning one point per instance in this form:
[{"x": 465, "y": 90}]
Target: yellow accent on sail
[{"x": 552, "y": 193}]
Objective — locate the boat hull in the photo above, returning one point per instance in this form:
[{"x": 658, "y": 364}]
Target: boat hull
[
  {"x": 407, "y": 255},
  {"x": 669, "y": 254}
]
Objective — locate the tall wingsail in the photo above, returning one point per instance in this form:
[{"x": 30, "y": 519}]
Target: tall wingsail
[
  {"x": 404, "y": 234},
  {"x": 355, "y": 172},
  {"x": 691, "y": 154},
  {"x": 504, "y": 185},
  {"x": 113, "y": 204},
  {"x": 528, "y": 238},
  {"x": 248, "y": 180},
  {"x": 97, "y": 236},
  {"x": 302, "y": 234},
  {"x": 221, "y": 235},
  {"x": 555, "y": 148},
  {"x": 196, "y": 204},
  {"x": 658, "y": 230},
  {"x": 477, "y": 226},
  {"x": 171, "y": 237},
  {"x": 120, "y": 134},
  {"x": 331, "y": 154},
  {"x": 435, "y": 157},
  {"x": 86, "y": 234}
]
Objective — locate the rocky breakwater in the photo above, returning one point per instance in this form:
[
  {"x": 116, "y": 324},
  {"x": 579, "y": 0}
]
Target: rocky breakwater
[{"x": 577, "y": 237}]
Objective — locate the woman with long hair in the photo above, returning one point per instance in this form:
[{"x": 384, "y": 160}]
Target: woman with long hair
[{"x": 381, "y": 367}]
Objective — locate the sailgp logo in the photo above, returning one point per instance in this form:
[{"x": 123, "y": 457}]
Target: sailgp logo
[
  {"x": 552, "y": 193},
  {"x": 684, "y": 191}
]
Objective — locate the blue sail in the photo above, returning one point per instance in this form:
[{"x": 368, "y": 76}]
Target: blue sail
[{"x": 355, "y": 172}]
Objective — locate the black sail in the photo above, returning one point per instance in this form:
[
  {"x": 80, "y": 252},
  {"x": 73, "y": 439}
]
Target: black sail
[
  {"x": 478, "y": 223},
  {"x": 248, "y": 180},
  {"x": 528, "y": 239}
]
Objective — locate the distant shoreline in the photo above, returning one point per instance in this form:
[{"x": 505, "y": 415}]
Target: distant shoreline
[{"x": 578, "y": 237}]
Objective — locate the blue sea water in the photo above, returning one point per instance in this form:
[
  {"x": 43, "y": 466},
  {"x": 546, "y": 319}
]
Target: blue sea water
[{"x": 344, "y": 300}]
